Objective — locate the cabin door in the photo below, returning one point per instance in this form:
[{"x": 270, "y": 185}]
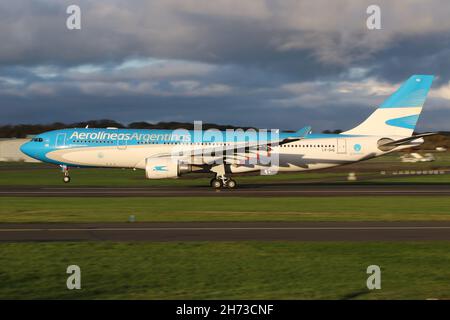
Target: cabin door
[
  {"x": 60, "y": 140},
  {"x": 341, "y": 146}
]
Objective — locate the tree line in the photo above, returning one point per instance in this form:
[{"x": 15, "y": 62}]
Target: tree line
[{"x": 25, "y": 130}]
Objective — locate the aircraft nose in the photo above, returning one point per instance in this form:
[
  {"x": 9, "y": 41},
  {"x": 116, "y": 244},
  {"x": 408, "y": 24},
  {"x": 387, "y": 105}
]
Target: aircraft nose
[{"x": 27, "y": 149}]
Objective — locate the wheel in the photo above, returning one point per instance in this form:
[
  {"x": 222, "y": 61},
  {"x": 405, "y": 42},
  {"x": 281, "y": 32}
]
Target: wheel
[
  {"x": 66, "y": 179},
  {"x": 216, "y": 183},
  {"x": 231, "y": 184}
]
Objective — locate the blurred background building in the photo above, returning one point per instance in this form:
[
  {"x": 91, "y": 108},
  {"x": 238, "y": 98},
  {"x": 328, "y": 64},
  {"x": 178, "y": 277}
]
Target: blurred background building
[{"x": 10, "y": 150}]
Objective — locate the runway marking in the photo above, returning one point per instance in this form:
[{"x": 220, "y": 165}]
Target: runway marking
[
  {"x": 224, "y": 229},
  {"x": 237, "y": 193},
  {"x": 248, "y": 191}
]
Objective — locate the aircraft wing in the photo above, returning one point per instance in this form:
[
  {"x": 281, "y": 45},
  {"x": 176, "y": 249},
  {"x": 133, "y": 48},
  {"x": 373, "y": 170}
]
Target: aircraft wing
[
  {"x": 241, "y": 152},
  {"x": 206, "y": 154},
  {"x": 298, "y": 135}
]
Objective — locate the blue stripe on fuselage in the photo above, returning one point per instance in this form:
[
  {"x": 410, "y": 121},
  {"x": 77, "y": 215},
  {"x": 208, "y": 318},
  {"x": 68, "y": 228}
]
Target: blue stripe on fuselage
[
  {"x": 105, "y": 137},
  {"x": 98, "y": 137}
]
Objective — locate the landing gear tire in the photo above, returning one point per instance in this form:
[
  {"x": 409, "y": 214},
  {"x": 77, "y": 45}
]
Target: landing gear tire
[
  {"x": 66, "y": 179},
  {"x": 231, "y": 184},
  {"x": 216, "y": 183}
]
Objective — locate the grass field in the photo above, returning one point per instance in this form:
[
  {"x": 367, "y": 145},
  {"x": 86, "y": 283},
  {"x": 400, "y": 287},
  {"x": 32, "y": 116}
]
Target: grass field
[
  {"x": 40, "y": 175},
  {"x": 225, "y": 209},
  {"x": 244, "y": 270},
  {"x": 224, "y": 270}
]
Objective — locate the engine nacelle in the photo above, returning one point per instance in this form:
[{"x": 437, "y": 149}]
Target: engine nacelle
[{"x": 163, "y": 168}]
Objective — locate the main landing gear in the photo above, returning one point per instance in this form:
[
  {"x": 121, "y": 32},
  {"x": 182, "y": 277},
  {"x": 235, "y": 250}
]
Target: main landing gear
[
  {"x": 222, "y": 182},
  {"x": 65, "y": 170}
]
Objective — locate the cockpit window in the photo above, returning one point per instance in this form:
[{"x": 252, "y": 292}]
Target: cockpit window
[{"x": 37, "y": 140}]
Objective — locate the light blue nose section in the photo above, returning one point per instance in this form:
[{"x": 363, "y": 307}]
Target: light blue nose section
[
  {"x": 26, "y": 148},
  {"x": 32, "y": 149}
]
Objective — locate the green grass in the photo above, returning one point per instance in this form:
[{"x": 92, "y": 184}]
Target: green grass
[
  {"x": 223, "y": 270},
  {"x": 35, "y": 174},
  {"x": 25, "y": 174},
  {"x": 244, "y": 270},
  {"x": 44, "y": 177},
  {"x": 47, "y": 209}
]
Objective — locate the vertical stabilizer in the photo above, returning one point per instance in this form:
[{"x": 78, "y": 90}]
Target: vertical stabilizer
[{"x": 398, "y": 115}]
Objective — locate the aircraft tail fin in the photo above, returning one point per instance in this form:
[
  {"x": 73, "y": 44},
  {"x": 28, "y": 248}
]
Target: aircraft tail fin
[{"x": 398, "y": 115}]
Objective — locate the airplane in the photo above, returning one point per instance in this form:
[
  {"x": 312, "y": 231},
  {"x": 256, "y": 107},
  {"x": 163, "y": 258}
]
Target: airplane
[{"x": 169, "y": 154}]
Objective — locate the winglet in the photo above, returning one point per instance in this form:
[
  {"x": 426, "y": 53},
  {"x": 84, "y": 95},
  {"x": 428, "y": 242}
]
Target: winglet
[
  {"x": 298, "y": 135},
  {"x": 303, "y": 132}
]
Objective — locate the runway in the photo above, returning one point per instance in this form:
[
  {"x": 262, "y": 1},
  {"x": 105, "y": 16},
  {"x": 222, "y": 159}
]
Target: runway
[
  {"x": 263, "y": 190},
  {"x": 228, "y": 231}
]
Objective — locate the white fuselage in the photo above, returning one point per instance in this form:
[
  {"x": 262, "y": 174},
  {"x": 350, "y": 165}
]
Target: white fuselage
[{"x": 306, "y": 154}]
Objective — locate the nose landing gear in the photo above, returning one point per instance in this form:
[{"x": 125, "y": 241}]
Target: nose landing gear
[{"x": 66, "y": 177}]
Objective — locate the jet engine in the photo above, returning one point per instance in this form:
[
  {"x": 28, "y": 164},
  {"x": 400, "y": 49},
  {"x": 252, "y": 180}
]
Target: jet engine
[{"x": 163, "y": 168}]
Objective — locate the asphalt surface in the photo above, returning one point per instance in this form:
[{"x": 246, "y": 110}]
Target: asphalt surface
[
  {"x": 262, "y": 190},
  {"x": 228, "y": 231}
]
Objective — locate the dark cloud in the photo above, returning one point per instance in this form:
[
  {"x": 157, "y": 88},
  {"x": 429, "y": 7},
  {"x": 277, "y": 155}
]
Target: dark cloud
[
  {"x": 262, "y": 63},
  {"x": 420, "y": 54}
]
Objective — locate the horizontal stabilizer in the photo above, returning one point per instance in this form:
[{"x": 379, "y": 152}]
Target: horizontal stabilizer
[{"x": 400, "y": 142}]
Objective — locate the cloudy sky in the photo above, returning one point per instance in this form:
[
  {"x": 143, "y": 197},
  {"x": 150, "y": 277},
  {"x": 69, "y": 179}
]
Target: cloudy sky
[{"x": 272, "y": 64}]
